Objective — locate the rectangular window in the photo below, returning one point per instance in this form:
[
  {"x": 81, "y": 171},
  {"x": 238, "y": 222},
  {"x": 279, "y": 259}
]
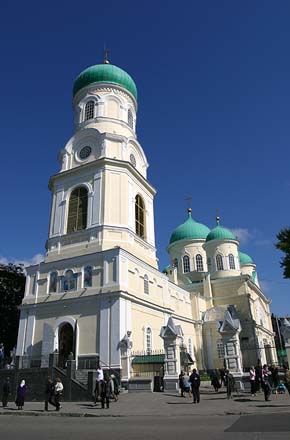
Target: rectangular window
[{"x": 220, "y": 350}]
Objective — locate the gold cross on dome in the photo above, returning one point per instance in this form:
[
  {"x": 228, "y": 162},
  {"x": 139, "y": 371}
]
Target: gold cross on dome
[
  {"x": 106, "y": 54},
  {"x": 188, "y": 200}
]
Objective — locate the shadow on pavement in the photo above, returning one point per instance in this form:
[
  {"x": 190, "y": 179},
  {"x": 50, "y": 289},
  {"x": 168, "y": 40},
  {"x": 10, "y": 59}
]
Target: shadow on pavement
[{"x": 180, "y": 403}]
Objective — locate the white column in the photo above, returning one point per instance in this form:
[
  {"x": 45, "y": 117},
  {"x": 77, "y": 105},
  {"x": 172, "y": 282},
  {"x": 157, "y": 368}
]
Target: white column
[{"x": 21, "y": 333}]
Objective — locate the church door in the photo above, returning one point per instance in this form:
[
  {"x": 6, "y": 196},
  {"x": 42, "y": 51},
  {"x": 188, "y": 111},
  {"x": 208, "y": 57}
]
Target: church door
[{"x": 65, "y": 343}]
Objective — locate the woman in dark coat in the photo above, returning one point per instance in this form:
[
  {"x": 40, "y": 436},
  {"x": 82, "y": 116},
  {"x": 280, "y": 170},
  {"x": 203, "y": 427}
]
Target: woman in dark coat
[
  {"x": 215, "y": 380},
  {"x": 21, "y": 392}
]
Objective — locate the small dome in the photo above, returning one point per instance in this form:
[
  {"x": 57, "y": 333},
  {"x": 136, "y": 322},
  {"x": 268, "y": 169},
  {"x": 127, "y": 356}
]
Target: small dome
[
  {"x": 220, "y": 233},
  {"x": 189, "y": 230},
  {"x": 105, "y": 73},
  {"x": 244, "y": 258}
]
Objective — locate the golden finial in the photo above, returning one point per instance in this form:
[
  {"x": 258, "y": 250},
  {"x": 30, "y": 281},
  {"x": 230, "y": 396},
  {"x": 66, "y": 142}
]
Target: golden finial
[
  {"x": 217, "y": 217},
  {"x": 188, "y": 200},
  {"x": 106, "y": 54}
]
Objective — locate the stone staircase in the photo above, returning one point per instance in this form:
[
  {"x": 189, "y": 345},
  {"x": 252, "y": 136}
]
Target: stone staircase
[{"x": 82, "y": 376}]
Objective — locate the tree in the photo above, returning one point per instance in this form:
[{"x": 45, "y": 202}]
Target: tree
[
  {"x": 284, "y": 246},
  {"x": 12, "y": 285}
]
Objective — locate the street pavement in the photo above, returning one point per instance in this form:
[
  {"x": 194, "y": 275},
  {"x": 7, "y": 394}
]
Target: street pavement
[
  {"x": 154, "y": 416},
  {"x": 162, "y": 404}
]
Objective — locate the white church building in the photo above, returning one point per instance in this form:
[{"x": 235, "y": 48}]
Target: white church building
[{"x": 99, "y": 291}]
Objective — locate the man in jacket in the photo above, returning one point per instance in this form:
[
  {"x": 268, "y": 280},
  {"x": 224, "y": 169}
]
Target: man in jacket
[
  {"x": 195, "y": 384},
  {"x": 6, "y": 390},
  {"x": 287, "y": 379},
  {"x": 106, "y": 391}
]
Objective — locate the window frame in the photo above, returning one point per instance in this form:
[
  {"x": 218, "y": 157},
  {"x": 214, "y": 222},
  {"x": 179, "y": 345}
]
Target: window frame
[
  {"x": 140, "y": 217},
  {"x": 89, "y": 112},
  {"x": 84, "y": 276},
  {"x": 220, "y": 348},
  {"x": 146, "y": 285},
  {"x": 186, "y": 263},
  {"x": 78, "y": 220},
  {"x": 232, "y": 264},
  {"x": 130, "y": 119},
  {"x": 49, "y": 282},
  {"x": 219, "y": 262},
  {"x": 199, "y": 263},
  {"x": 148, "y": 338},
  {"x": 74, "y": 277}
]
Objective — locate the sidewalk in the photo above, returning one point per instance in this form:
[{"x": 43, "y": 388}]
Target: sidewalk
[{"x": 162, "y": 404}]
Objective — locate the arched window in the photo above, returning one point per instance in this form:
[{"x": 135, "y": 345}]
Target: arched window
[
  {"x": 140, "y": 216},
  {"x": 52, "y": 282},
  {"x": 69, "y": 281},
  {"x": 232, "y": 261},
  {"x": 148, "y": 340},
  {"x": 186, "y": 267},
  {"x": 88, "y": 276},
  {"x": 189, "y": 348},
  {"x": 77, "y": 211},
  {"x": 175, "y": 263},
  {"x": 199, "y": 263},
  {"x": 146, "y": 284},
  {"x": 130, "y": 119},
  {"x": 219, "y": 262},
  {"x": 89, "y": 110}
]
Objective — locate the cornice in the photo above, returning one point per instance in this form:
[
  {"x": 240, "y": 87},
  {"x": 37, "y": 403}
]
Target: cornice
[
  {"x": 104, "y": 87},
  {"x": 101, "y": 164}
]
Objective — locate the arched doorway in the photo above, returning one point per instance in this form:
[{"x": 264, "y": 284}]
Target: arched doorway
[{"x": 65, "y": 343}]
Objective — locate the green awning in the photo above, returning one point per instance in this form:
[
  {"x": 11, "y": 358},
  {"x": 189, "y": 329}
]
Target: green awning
[
  {"x": 149, "y": 359},
  {"x": 281, "y": 353}
]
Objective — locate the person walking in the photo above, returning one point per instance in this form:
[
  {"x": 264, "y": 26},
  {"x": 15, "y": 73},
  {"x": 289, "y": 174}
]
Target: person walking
[
  {"x": 265, "y": 383},
  {"x": 106, "y": 391},
  {"x": 275, "y": 377},
  {"x": 114, "y": 387},
  {"x": 230, "y": 383},
  {"x": 287, "y": 379},
  {"x": 215, "y": 380},
  {"x": 6, "y": 390},
  {"x": 58, "y": 390},
  {"x": 99, "y": 381},
  {"x": 253, "y": 381},
  {"x": 20, "y": 396},
  {"x": 194, "y": 379},
  {"x": 222, "y": 372},
  {"x": 181, "y": 383},
  {"x": 258, "y": 379},
  {"x": 2, "y": 355},
  {"x": 49, "y": 393}
]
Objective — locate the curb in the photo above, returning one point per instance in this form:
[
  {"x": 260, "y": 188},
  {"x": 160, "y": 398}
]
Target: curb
[{"x": 90, "y": 415}]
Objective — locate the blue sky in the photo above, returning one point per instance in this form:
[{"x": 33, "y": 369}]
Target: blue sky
[{"x": 214, "y": 93}]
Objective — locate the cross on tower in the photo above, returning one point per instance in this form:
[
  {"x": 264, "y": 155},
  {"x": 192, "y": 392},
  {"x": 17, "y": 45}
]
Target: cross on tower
[{"x": 106, "y": 54}]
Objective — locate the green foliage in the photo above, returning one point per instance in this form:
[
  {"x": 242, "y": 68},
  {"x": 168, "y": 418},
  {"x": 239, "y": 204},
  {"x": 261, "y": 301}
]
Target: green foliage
[
  {"x": 12, "y": 285},
  {"x": 284, "y": 246},
  {"x": 204, "y": 377}
]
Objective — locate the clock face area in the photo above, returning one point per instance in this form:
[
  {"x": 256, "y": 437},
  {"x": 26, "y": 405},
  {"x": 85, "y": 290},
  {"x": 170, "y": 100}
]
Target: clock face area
[{"x": 85, "y": 152}]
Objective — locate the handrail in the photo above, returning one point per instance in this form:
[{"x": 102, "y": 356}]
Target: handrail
[{"x": 110, "y": 368}]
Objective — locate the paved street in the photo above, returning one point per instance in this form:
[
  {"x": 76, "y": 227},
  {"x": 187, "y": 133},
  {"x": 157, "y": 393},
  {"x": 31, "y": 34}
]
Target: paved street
[
  {"x": 154, "y": 416},
  {"x": 147, "y": 427}
]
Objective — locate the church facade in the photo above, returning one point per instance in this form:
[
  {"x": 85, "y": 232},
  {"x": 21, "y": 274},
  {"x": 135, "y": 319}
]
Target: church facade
[{"x": 99, "y": 291}]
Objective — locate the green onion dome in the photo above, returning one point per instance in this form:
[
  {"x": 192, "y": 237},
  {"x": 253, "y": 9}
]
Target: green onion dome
[
  {"x": 220, "y": 233},
  {"x": 189, "y": 230},
  {"x": 105, "y": 73},
  {"x": 244, "y": 258}
]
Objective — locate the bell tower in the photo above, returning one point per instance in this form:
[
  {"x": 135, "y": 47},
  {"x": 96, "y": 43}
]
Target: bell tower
[{"x": 101, "y": 198}]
